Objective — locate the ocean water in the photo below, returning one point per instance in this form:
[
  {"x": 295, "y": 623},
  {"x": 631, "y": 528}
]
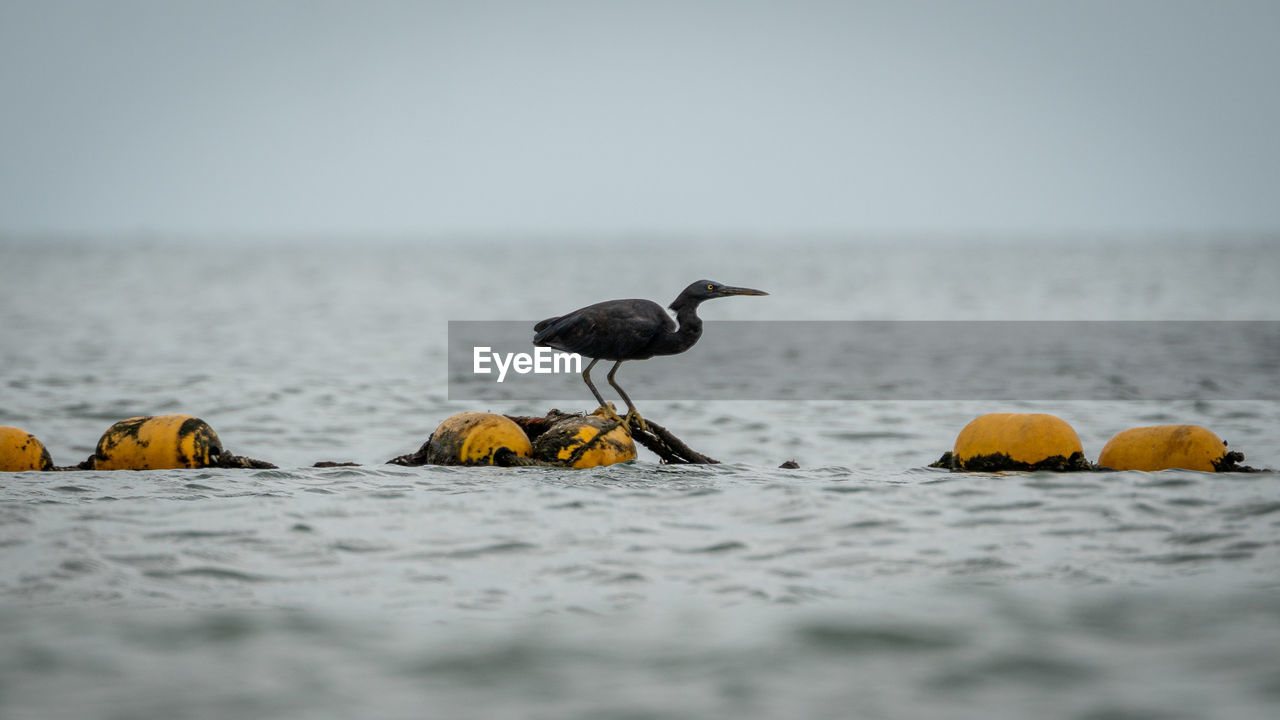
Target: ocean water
[{"x": 863, "y": 584}]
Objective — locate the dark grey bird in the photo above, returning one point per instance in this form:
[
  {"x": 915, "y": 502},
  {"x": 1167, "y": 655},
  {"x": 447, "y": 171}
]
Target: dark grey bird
[{"x": 622, "y": 330}]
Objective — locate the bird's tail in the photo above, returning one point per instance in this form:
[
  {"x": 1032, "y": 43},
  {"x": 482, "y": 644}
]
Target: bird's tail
[{"x": 540, "y": 327}]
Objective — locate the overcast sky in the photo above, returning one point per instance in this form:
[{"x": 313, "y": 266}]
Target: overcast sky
[{"x": 260, "y": 118}]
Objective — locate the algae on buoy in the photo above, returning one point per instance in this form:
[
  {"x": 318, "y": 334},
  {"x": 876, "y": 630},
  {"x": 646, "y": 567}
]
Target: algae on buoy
[
  {"x": 160, "y": 442},
  {"x": 474, "y": 438},
  {"x": 20, "y": 451},
  {"x": 1016, "y": 441},
  {"x": 577, "y": 442},
  {"x": 445, "y": 444},
  {"x": 1164, "y": 447}
]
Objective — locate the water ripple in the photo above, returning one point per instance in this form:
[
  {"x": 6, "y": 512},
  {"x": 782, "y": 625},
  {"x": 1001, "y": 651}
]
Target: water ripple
[
  {"x": 215, "y": 573},
  {"x": 721, "y": 547},
  {"x": 500, "y": 548}
]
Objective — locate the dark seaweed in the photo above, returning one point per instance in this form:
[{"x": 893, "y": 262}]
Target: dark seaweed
[{"x": 1000, "y": 462}]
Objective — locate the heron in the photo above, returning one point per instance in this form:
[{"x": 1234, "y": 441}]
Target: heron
[{"x": 633, "y": 329}]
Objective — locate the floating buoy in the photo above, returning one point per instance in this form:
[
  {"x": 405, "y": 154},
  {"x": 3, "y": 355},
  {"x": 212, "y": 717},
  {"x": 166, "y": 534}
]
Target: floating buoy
[
  {"x": 577, "y": 442},
  {"x": 1164, "y": 447},
  {"x": 1017, "y": 441},
  {"x": 20, "y": 451},
  {"x": 472, "y": 438},
  {"x": 159, "y": 442}
]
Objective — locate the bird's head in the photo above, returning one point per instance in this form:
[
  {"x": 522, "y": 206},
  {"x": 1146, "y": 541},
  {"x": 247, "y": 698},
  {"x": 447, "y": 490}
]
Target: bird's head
[{"x": 707, "y": 290}]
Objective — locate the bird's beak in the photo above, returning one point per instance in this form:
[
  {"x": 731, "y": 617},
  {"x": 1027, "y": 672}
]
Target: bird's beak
[{"x": 739, "y": 291}]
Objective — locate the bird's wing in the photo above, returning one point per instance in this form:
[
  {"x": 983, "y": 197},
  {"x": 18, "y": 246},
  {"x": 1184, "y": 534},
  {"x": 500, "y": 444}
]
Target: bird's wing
[{"x": 612, "y": 330}]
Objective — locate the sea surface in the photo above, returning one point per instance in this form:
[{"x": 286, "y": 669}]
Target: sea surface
[{"x": 863, "y": 584}]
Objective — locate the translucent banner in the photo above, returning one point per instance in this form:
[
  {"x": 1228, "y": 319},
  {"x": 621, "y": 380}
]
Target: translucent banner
[{"x": 914, "y": 360}]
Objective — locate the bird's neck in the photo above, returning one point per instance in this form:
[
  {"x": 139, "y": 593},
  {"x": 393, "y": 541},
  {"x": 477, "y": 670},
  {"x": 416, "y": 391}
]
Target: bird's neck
[{"x": 685, "y": 335}]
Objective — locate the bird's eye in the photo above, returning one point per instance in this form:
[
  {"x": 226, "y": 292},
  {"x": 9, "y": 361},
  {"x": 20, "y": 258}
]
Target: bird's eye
[{"x": 711, "y": 287}]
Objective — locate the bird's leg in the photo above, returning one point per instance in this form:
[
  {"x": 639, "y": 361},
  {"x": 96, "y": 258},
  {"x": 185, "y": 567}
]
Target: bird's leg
[
  {"x": 631, "y": 408},
  {"x": 586, "y": 375}
]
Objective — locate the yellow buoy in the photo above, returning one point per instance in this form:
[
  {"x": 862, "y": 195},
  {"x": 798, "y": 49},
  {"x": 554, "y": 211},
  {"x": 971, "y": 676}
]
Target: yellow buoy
[
  {"x": 20, "y": 451},
  {"x": 472, "y": 438},
  {"x": 576, "y": 442},
  {"x": 157, "y": 443},
  {"x": 1163, "y": 447},
  {"x": 1022, "y": 438}
]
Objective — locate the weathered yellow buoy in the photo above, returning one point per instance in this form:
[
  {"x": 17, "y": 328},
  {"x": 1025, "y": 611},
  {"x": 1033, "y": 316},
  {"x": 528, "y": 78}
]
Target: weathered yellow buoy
[
  {"x": 1000, "y": 440},
  {"x": 20, "y": 451},
  {"x": 1164, "y": 447},
  {"x": 160, "y": 442},
  {"x": 472, "y": 438},
  {"x": 576, "y": 442}
]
